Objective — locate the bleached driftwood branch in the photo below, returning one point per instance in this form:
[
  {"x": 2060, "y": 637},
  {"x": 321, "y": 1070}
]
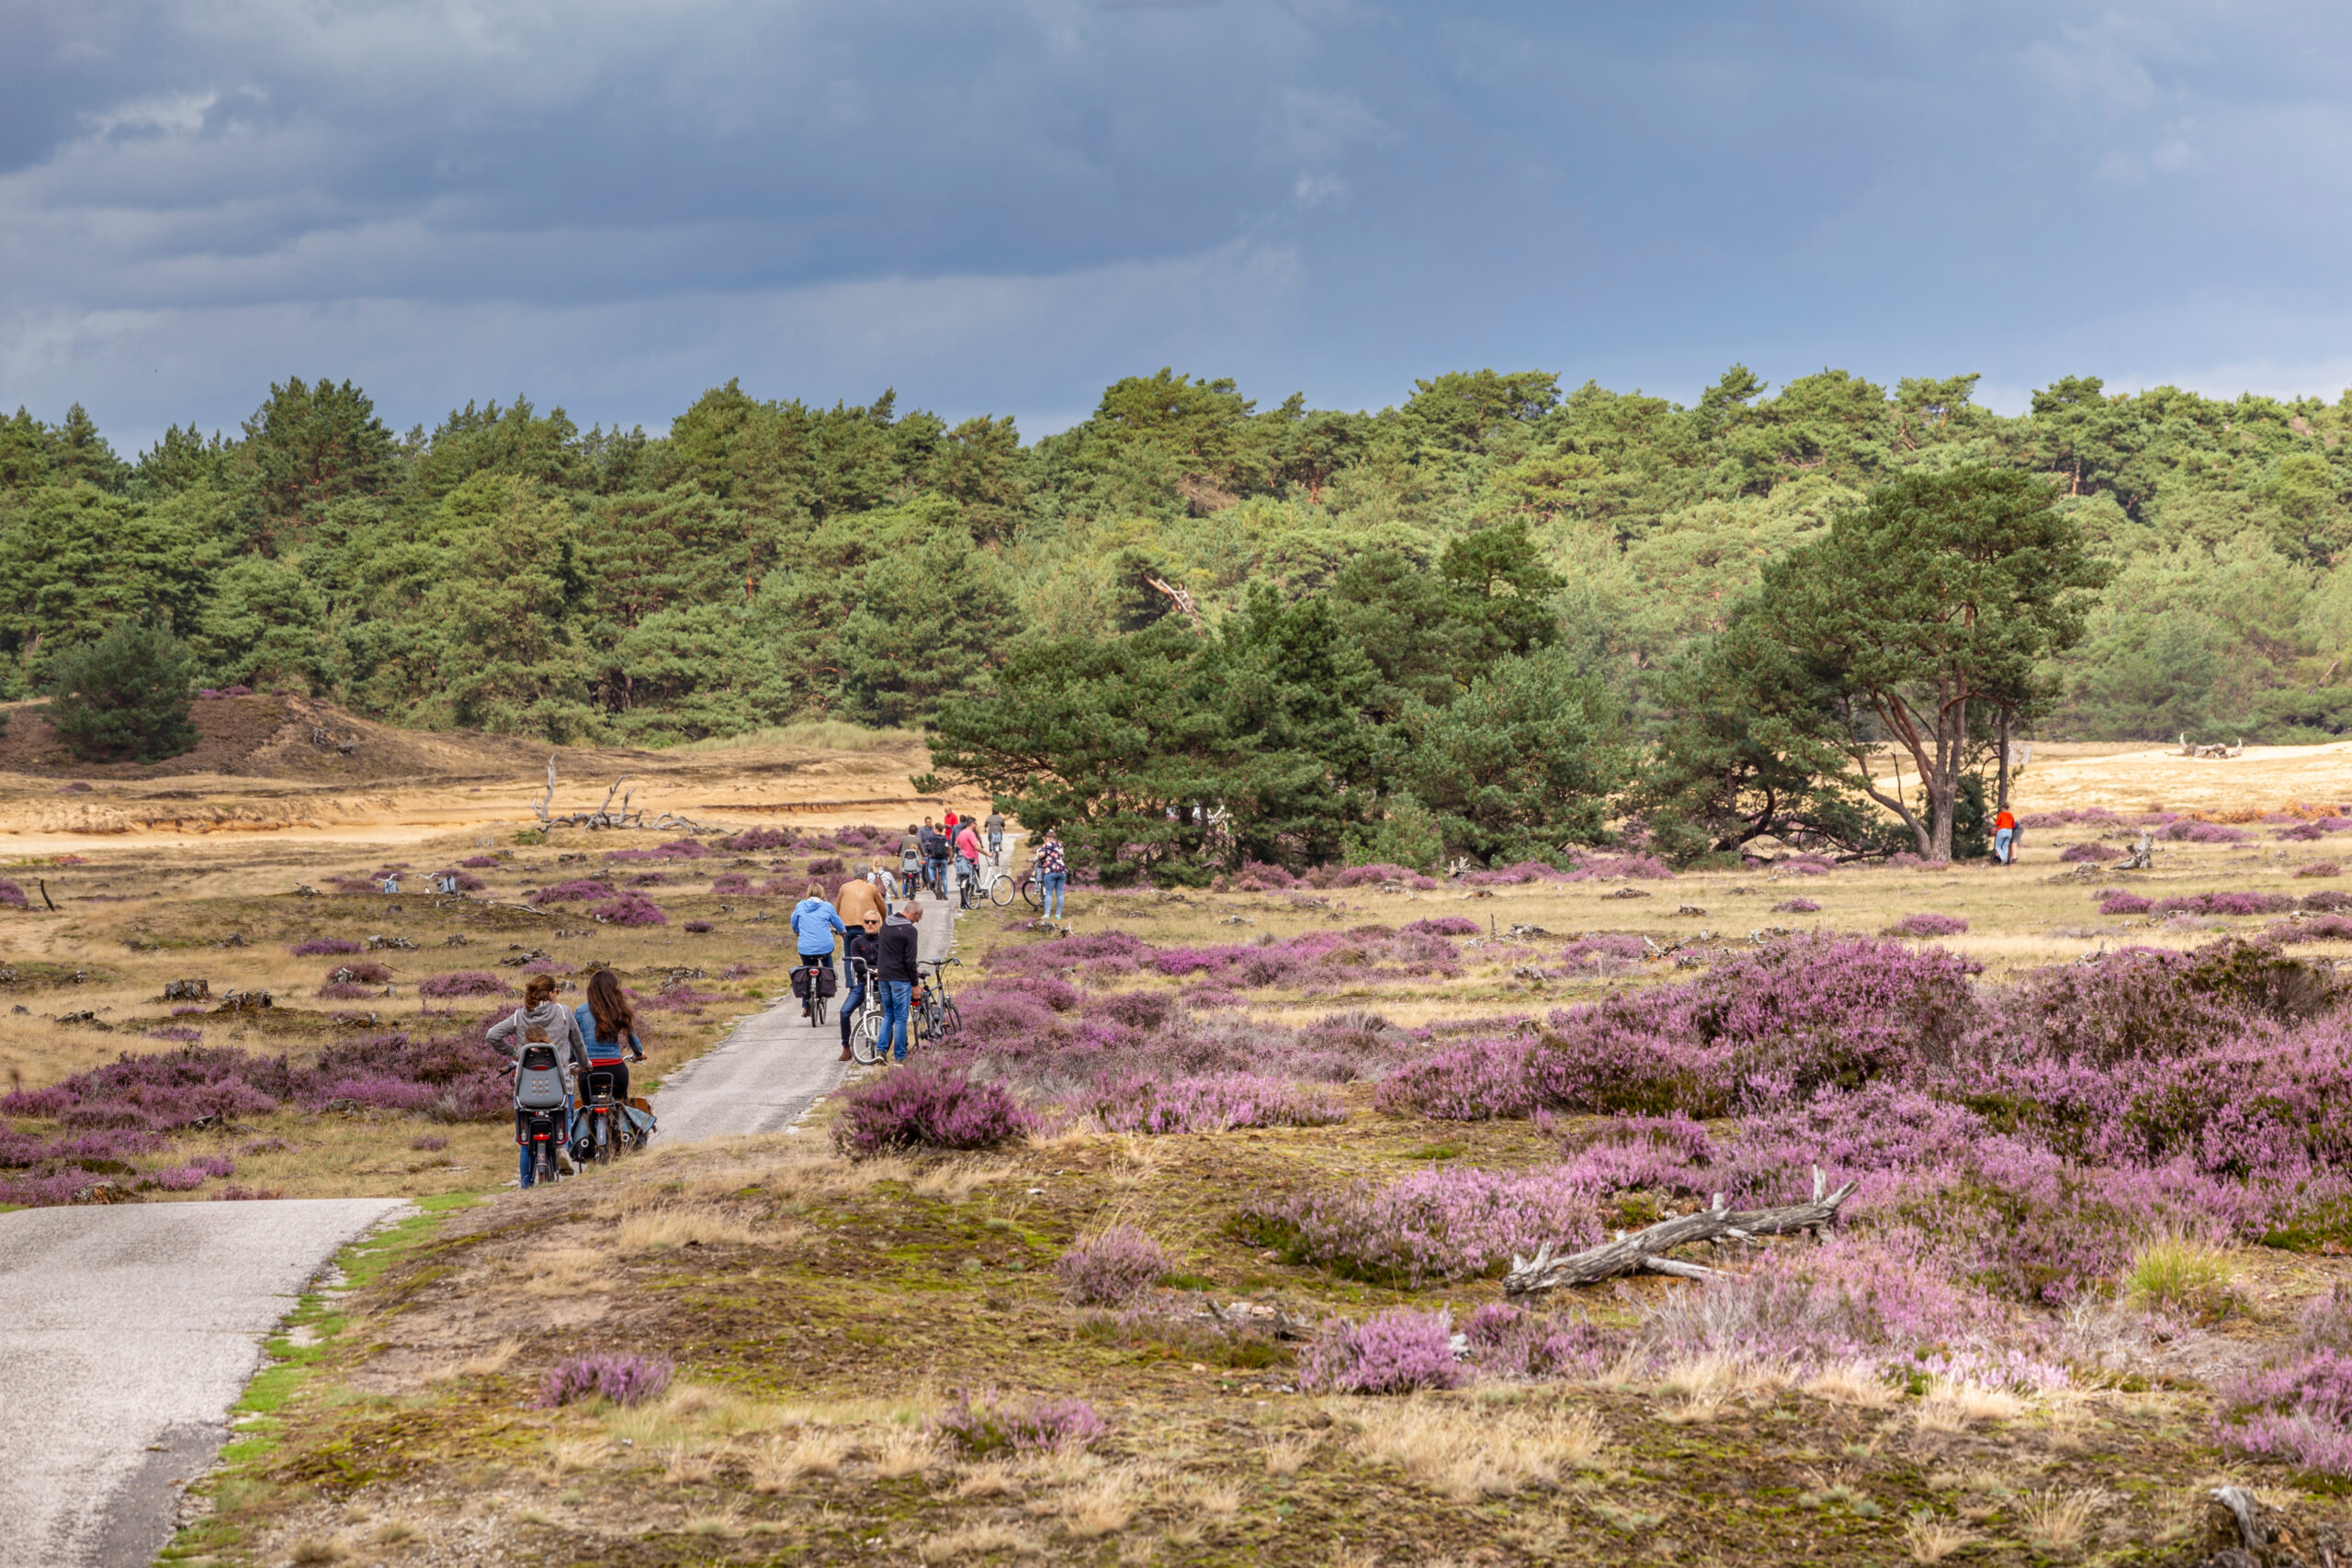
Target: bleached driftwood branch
[{"x": 1645, "y": 1251}]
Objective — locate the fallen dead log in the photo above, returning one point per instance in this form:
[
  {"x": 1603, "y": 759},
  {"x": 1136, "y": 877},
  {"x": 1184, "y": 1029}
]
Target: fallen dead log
[{"x": 1643, "y": 1252}]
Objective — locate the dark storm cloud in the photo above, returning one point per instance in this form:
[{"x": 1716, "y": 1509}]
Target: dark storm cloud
[{"x": 1002, "y": 206}]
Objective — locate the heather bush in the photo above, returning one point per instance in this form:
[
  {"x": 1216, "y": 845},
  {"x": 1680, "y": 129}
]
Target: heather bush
[
  {"x": 2093, "y": 852},
  {"x": 180, "y": 1033},
  {"x": 828, "y": 865},
  {"x": 462, "y": 983},
  {"x": 1212, "y": 1103},
  {"x": 578, "y": 891},
  {"x": 2203, "y": 833},
  {"x": 1448, "y": 1222},
  {"x": 917, "y": 1107},
  {"x": 756, "y": 838},
  {"x": 2326, "y": 901},
  {"x": 12, "y": 896},
  {"x": 1506, "y": 1342},
  {"x": 1796, "y": 907},
  {"x": 346, "y": 991},
  {"x": 984, "y": 1426},
  {"x": 1112, "y": 1267},
  {"x": 2225, "y": 904},
  {"x": 1136, "y": 1010},
  {"x": 2320, "y": 868},
  {"x": 1469, "y": 1080},
  {"x": 1605, "y": 954},
  {"x": 631, "y": 909},
  {"x": 321, "y": 946},
  {"x": 624, "y": 1380},
  {"x": 1443, "y": 925},
  {"x": 2300, "y": 1412},
  {"x": 1373, "y": 875},
  {"x": 480, "y": 863},
  {"x": 1927, "y": 925},
  {"x": 2115, "y": 901},
  {"x": 1397, "y": 1351}
]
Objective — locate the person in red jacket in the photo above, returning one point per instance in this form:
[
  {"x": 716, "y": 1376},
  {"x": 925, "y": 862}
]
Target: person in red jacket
[{"x": 2004, "y": 836}]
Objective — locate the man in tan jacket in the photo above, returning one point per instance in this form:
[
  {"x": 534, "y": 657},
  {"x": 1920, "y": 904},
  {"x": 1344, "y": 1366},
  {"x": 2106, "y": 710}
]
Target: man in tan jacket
[{"x": 858, "y": 898}]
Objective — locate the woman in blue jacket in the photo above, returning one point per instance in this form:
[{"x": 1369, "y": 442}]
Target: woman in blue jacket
[{"x": 815, "y": 924}]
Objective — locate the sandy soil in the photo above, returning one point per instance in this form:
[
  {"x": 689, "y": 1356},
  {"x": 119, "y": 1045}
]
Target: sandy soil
[
  {"x": 273, "y": 765},
  {"x": 2143, "y": 778}
]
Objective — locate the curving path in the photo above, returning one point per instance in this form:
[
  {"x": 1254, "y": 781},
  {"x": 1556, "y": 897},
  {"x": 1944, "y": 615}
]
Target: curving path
[
  {"x": 772, "y": 1066},
  {"x": 127, "y": 1332}
]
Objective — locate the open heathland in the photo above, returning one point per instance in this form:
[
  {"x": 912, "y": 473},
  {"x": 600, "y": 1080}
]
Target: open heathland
[{"x": 1191, "y": 1248}]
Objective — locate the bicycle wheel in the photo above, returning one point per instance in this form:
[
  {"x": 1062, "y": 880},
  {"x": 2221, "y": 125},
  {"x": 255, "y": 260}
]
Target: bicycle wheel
[
  {"x": 1001, "y": 890},
  {"x": 951, "y": 1022},
  {"x": 816, "y": 1008},
  {"x": 865, "y": 1039},
  {"x": 1031, "y": 894}
]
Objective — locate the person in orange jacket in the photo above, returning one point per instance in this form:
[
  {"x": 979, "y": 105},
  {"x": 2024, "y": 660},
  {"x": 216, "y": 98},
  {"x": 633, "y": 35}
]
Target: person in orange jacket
[{"x": 2004, "y": 836}]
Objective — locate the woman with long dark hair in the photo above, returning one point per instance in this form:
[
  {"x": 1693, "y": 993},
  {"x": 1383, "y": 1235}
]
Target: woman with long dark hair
[{"x": 608, "y": 1025}]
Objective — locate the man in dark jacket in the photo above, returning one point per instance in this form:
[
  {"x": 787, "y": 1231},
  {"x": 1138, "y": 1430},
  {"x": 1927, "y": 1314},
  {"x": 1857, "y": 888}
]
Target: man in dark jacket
[
  {"x": 935, "y": 858},
  {"x": 864, "y": 942},
  {"x": 895, "y": 951}
]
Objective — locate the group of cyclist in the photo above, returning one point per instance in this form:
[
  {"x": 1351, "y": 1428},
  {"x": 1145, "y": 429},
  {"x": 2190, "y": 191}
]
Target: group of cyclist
[
  {"x": 598, "y": 1036},
  {"x": 876, "y": 920}
]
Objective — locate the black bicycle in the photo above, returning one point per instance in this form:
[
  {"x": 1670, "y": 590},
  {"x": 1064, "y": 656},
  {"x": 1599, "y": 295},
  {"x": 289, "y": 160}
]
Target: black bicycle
[
  {"x": 936, "y": 1017},
  {"x": 812, "y": 982}
]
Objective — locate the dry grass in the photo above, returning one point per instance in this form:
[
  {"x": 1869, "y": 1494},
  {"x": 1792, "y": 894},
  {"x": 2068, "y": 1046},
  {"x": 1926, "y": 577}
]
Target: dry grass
[
  {"x": 1290, "y": 1455},
  {"x": 813, "y": 734},
  {"x": 1860, "y": 1386},
  {"x": 1955, "y": 1406},
  {"x": 2056, "y": 1520},
  {"x": 310, "y": 1549},
  {"x": 493, "y": 1362},
  {"x": 979, "y": 1540},
  {"x": 1932, "y": 1540},
  {"x": 1102, "y": 1506},
  {"x": 668, "y": 1228},
  {"x": 992, "y": 1478},
  {"x": 1466, "y": 1453},
  {"x": 782, "y": 1462}
]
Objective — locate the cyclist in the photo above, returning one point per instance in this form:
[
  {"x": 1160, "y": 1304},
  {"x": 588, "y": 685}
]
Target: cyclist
[
  {"x": 1053, "y": 873},
  {"x": 861, "y": 957},
  {"x": 607, "y": 1026},
  {"x": 815, "y": 923},
  {"x": 542, "y": 1019},
  {"x": 995, "y": 831},
  {"x": 968, "y": 850},
  {"x": 935, "y": 858},
  {"x": 909, "y": 862},
  {"x": 858, "y": 895},
  {"x": 896, "y": 950}
]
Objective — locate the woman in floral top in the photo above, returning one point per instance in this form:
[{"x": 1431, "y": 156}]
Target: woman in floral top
[{"x": 1053, "y": 873}]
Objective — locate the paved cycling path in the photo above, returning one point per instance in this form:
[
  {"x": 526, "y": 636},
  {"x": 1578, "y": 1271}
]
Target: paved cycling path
[
  {"x": 772, "y": 1066},
  {"x": 127, "y": 1333}
]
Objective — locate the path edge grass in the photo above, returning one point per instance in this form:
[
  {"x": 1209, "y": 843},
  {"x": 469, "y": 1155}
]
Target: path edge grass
[{"x": 295, "y": 1364}]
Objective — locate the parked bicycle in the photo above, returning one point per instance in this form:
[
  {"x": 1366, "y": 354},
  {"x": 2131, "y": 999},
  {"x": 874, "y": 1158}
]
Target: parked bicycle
[{"x": 935, "y": 1014}]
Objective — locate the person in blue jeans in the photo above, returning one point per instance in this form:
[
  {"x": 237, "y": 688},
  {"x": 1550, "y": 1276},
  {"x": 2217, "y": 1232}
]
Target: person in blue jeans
[
  {"x": 1053, "y": 873},
  {"x": 895, "y": 951},
  {"x": 815, "y": 923}
]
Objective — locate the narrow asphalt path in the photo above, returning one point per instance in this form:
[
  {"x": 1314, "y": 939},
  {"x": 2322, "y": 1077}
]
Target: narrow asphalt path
[
  {"x": 772, "y": 1066},
  {"x": 127, "y": 1333}
]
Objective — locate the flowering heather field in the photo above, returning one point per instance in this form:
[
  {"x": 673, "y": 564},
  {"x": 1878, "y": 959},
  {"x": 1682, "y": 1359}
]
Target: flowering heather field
[{"x": 1190, "y": 1250}]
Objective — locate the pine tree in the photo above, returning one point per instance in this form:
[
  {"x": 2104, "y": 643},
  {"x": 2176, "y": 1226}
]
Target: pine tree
[{"x": 125, "y": 694}]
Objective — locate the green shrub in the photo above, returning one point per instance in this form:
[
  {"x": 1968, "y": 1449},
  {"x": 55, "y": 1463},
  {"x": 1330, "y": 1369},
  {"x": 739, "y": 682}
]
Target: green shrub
[{"x": 127, "y": 694}]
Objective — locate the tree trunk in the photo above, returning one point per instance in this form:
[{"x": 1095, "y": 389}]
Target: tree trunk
[{"x": 2001, "y": 788}]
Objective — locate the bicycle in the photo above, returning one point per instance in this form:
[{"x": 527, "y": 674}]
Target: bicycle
[
  {"x": 811, "y": 982},
  {"x": 935, "y": 1010},
  {"x": 866, "y": 1027}
]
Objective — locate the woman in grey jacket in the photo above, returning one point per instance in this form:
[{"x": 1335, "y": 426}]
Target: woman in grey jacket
[{"x": 540, "y": 1018}]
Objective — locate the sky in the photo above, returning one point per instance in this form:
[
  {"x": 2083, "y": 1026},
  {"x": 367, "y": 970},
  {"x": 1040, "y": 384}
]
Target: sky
[{"x": 1000, "y": 206}]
